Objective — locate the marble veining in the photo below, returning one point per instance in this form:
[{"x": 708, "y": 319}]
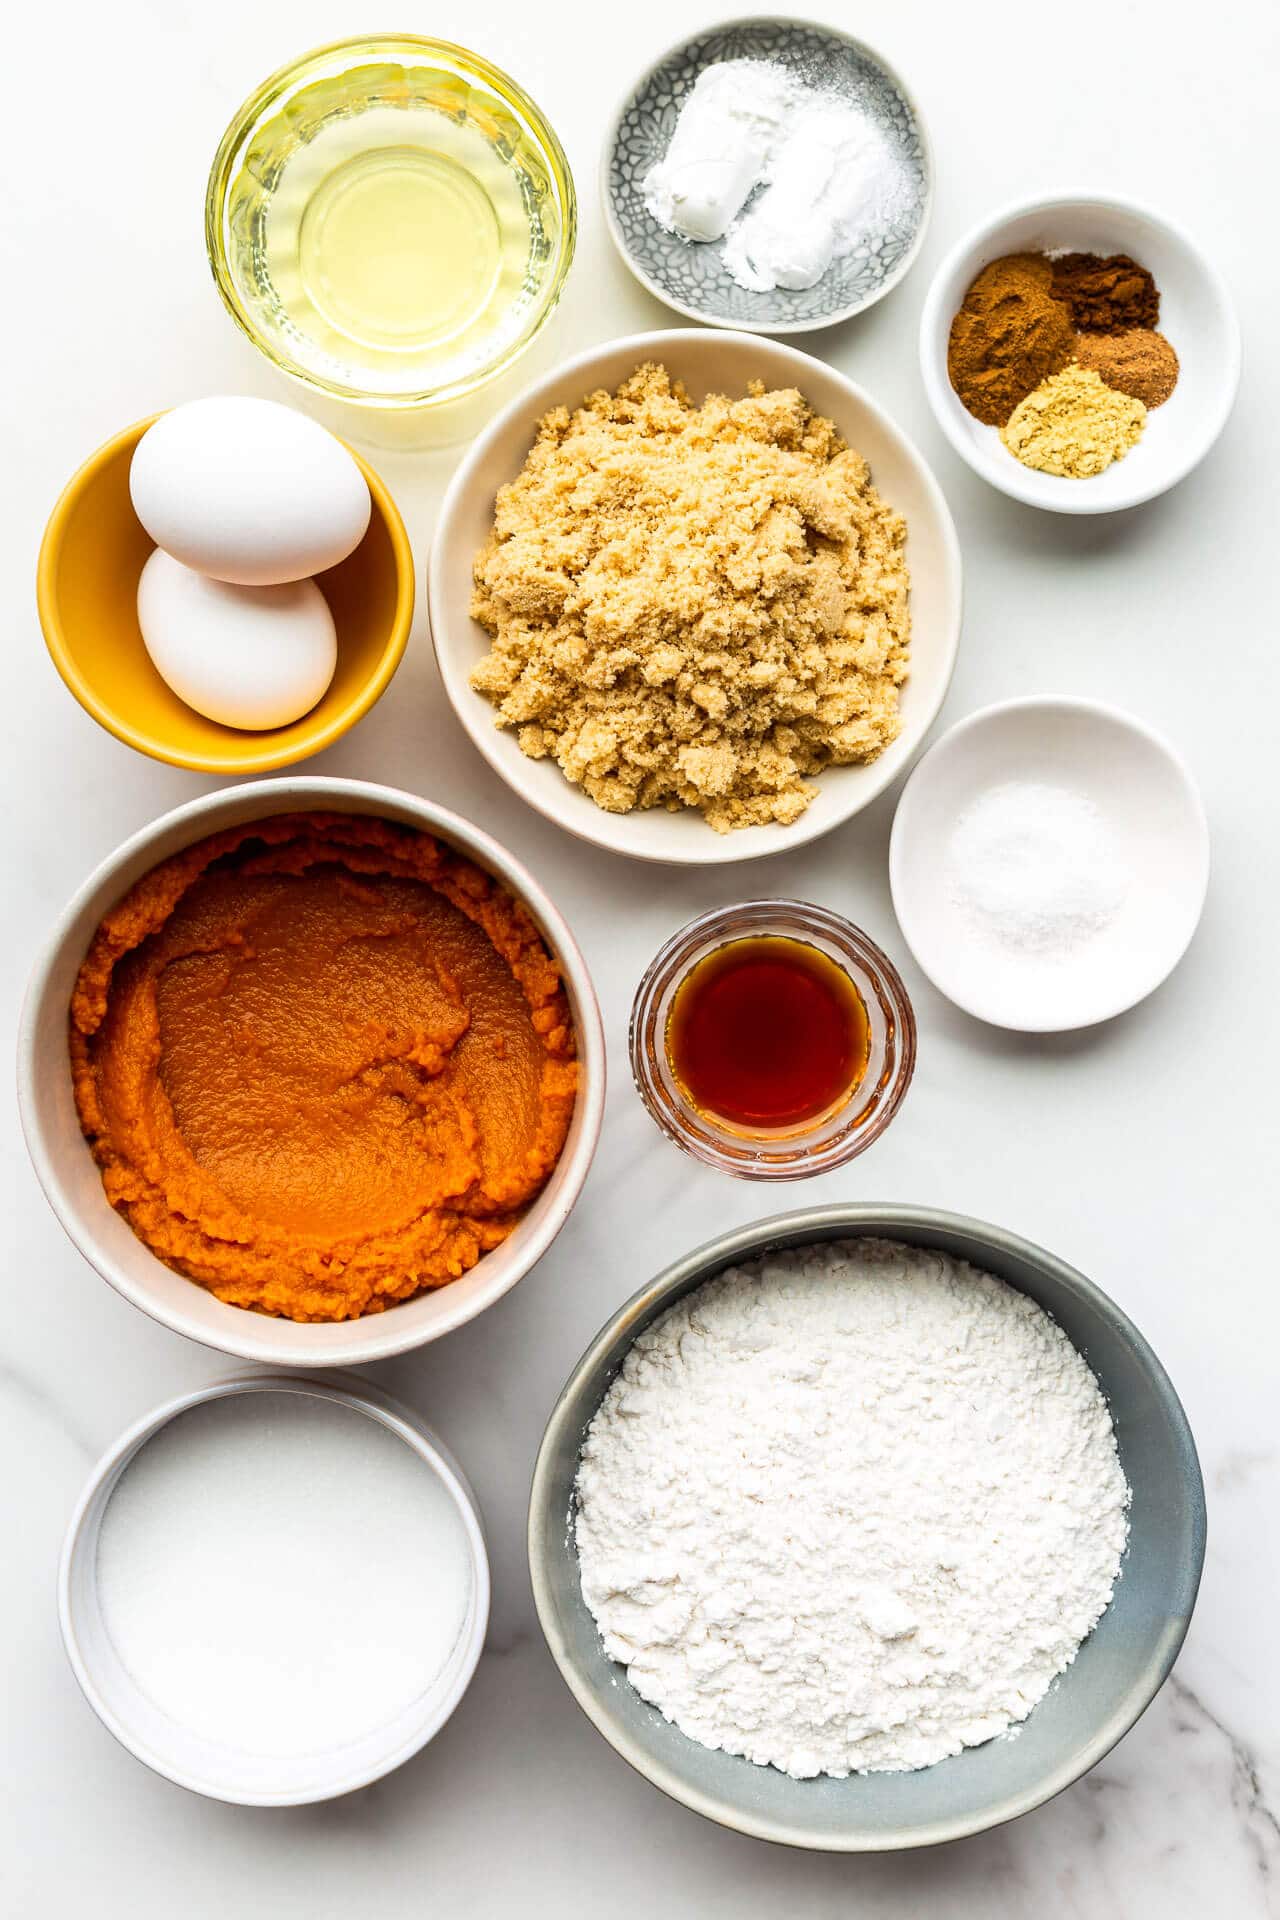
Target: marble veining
[
  {"x": 33, "y": 1398},
  {"x": 1255, "y": 1816}
]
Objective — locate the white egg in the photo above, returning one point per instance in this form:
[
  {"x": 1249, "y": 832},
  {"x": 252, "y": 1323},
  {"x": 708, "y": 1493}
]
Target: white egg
[
  {"x": 248, "y": 491},
  {"x": 249, "y": 657}
]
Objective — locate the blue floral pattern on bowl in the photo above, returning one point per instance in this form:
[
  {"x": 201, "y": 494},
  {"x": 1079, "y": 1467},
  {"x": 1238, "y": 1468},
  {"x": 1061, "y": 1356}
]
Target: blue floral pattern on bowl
[{"x": 691, "y": 275}]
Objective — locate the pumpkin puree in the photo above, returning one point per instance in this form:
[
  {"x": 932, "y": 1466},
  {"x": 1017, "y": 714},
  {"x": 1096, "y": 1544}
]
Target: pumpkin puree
[{"x": 323, "y": 1061}]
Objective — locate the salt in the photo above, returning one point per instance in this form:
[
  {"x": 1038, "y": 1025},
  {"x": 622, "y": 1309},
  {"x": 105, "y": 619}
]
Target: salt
[
  {"x": 1036, "y": 869},
  {"x": 281, "y": 1574}
]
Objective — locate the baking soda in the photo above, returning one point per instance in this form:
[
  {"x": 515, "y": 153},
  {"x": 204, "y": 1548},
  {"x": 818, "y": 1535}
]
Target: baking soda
[{"x": 281, "y": 1574}]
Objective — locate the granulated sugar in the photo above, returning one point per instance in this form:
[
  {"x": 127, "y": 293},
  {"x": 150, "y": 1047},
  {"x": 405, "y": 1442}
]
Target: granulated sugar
[{"x": 281, "y": 1574}]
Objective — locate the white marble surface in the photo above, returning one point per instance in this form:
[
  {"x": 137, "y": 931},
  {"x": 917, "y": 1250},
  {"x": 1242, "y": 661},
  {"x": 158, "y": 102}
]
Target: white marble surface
[{"x": 1141, "y": 1151}]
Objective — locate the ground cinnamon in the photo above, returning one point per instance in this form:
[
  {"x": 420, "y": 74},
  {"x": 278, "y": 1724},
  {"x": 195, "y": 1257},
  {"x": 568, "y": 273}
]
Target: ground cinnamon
[
  {"x": 1009, "y": 334},
  {"x": 1105, "y": 293},
  {"x": 1139, "y": 363}
]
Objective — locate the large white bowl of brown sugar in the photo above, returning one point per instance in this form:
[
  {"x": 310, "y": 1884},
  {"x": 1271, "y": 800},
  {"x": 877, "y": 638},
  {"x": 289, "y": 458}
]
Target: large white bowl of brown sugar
[{"x": 695, "y": 597}]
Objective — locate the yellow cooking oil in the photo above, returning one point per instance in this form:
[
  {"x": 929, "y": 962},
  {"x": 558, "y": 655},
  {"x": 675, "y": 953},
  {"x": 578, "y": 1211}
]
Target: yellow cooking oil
[
  {"x": 399, "y": 249},
  {"x": 394, "y": 231}
]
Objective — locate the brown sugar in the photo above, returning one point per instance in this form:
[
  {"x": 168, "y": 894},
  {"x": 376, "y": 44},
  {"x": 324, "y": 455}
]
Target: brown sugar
[
  {"x": 1009, "y": 334},
  {"x": 694, "y": 606}
]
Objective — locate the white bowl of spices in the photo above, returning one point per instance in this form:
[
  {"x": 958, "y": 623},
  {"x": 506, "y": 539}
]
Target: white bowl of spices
[
  {"x": 275, "y": 1590},
  {"x": 1081, "y": 354},
  {"x": 1049, "y": 862}
]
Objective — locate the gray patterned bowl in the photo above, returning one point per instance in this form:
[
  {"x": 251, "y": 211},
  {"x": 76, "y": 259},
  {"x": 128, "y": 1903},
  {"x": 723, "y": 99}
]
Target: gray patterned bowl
[
  {"x": 689, "y": 275},
  {"x": 1114, "y": 1677}
]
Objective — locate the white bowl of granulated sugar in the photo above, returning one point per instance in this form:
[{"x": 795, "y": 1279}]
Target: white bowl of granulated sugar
[
  {"x": 1048, "y": 863},
  {"x": 275, "y": 1589}
]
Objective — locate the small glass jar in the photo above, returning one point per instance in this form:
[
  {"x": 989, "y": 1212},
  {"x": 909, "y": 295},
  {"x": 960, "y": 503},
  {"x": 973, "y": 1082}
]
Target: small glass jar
[{"x": 837, "y": 1136}]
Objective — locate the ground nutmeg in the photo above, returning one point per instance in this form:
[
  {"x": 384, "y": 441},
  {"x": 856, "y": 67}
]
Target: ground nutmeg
[{"x": 1138, "y": 362}]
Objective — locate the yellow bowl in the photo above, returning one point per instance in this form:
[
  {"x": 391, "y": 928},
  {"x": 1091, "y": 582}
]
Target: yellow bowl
[{"x": 93, "y": 551}]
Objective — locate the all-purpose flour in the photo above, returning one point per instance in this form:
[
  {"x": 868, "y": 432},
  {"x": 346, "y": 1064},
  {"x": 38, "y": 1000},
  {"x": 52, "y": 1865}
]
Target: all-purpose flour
[{"x": 849, "y": 1509}]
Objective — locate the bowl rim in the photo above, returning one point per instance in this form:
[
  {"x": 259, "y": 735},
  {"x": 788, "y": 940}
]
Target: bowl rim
[
  {"x": 1049, "y": 705},
  {"x": 285, "y": 754},
  {"x": 361, "y": 1396},
  {"x": 371, "y": 1336},
  {"x": 838, "y": 315},
  {"x": 1016, "y": 483},
  {"x": 241, "y": 124},
  {"x": 475, "y": 714},
  {"x": 547, "y": 1536}
]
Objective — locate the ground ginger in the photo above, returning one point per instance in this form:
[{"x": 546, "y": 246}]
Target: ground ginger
[
  {"x": 694, "y": 606},
  {"x": 1074, "y": 425}
]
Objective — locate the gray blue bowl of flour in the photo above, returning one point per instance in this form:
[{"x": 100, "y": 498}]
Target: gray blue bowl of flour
[
  {"x": 930, "y": 1503},
  {"x": 769, "y": 175}
]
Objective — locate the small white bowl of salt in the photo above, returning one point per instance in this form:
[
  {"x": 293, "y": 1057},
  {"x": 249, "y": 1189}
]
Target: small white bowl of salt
[
  {"x": 1049, "y": 863},
  {"x": 274, "y": 1590}
]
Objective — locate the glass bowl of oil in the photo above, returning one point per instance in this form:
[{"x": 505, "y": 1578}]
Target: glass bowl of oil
[
  {"x": 390, "y": 220},
  {"x": 772, "y": 1040}
]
